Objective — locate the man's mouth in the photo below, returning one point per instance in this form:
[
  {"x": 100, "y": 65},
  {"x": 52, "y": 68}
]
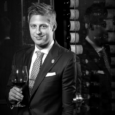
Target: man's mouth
[{"x": 39, "y": 37}]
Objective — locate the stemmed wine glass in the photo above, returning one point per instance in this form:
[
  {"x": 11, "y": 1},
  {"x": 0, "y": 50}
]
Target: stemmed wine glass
[{"x": 19, "y": 79}]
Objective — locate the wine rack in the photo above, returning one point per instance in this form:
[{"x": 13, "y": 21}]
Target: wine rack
[
  {"x": 110, "y": 21},
  {"x": 71, "y": 30},
  {"x": 73, "y": 39},
  {"x": 71, "y": 26}
]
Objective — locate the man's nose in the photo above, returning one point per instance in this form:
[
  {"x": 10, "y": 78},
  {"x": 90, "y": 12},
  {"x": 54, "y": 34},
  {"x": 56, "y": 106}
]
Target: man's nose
[{"x": 38, "y": 31}]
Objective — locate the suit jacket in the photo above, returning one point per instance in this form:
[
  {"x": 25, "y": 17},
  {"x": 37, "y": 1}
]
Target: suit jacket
[
  {"x": 96, "y": 74},
  {"x": 54, "y": 87}
]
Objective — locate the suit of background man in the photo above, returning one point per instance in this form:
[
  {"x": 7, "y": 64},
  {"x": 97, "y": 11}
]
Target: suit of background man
[
  {"x": 96, "y": 77},
  {"x": 54, "y": 89}
]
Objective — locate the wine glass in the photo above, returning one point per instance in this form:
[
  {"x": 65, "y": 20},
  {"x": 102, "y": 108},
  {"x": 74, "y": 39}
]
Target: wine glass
[{"x": 19, "y": 79}]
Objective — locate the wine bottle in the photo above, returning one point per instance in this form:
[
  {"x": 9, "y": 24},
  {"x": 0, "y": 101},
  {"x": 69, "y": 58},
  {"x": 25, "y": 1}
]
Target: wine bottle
[
  {"x": 66, "y": 13},
  {"x": 70, "y": 14},
  {"x": 66, "y": 4}
]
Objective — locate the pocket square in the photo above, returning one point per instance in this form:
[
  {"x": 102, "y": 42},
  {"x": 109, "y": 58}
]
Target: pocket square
[{"x": 50, "y": 74}]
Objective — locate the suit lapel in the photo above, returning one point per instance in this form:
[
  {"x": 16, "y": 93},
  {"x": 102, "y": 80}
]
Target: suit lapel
[
  {"x": 92, "y": 54},
  {"x": 99, "y": 62},
  {"x": 49, "y": 62},
  {"x": 91, "y": 50}
]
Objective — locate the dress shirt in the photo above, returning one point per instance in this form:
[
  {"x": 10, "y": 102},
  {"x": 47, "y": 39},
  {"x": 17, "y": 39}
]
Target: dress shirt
[{"x": 45, "y": 51}]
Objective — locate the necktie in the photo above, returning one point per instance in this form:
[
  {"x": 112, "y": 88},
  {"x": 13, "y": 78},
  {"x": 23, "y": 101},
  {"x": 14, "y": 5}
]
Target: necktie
[
  {"x": 35, "y": 69},
  {"x": 104, "y": 55}
]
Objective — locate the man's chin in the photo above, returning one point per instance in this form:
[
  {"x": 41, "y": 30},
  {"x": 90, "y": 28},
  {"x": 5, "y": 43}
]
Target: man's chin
[
  {"x": 100, "y": 44},
  {"x": 42, "y": 45}
]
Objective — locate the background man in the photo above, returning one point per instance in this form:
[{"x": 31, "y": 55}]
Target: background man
[{"x": 96, "y": 77}]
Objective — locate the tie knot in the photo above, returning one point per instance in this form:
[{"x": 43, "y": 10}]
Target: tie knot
[{"x": 39, "y": 54}]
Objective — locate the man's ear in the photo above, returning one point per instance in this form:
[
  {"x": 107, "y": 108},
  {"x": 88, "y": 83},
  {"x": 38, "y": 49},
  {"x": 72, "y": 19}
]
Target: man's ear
[{"x": 53, "y": 28}]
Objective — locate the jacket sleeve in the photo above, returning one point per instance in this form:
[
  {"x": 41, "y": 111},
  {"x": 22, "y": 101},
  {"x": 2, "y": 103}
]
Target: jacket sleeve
[{"x": 68, "y": 86}]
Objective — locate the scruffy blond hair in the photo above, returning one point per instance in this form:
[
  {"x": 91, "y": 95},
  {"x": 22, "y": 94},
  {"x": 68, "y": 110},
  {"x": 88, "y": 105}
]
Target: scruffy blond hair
[{"x": 44, "y": 10}]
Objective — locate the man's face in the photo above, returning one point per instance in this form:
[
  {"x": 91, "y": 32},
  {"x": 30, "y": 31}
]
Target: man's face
[
  {"x": 100, "y": 36},
  {"x": 41, "y": 30}
]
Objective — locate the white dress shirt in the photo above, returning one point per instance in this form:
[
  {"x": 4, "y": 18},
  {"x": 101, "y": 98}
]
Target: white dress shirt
[{"x": 45, "y": 51}]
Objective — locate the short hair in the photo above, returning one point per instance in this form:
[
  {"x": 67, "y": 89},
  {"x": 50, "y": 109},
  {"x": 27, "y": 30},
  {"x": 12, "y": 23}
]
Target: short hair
[
  {"x": 44, "y": 10},
  {"x": 95, "y": 14}
]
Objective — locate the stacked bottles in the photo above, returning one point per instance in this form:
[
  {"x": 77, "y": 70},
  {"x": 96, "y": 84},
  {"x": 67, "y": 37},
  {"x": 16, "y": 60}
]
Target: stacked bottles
[{"x": 71, "y": 25}]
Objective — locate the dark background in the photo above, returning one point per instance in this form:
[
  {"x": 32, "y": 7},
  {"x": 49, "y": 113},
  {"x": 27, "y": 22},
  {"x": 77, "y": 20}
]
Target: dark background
[{"x": 13, "y": 16}]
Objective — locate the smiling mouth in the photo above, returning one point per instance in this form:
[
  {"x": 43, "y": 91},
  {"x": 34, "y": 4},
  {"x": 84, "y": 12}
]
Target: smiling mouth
[{"x": 39, "y": 37}]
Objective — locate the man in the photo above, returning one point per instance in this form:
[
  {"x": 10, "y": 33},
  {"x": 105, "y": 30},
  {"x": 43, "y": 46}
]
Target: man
[
  {"x": 96, "y": 70},
  {"x": 53, "y": 89}
]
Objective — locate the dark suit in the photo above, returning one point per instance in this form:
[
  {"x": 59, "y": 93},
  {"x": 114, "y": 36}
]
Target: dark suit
[
  {"x": 96, "y": 82},
  {"x": 51, "y": 95}
]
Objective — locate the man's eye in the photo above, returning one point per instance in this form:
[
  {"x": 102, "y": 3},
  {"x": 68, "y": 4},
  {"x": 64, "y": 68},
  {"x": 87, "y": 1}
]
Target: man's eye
[
  {"x": 33, "y": 26},
  {"x": 43, "y": 26}
]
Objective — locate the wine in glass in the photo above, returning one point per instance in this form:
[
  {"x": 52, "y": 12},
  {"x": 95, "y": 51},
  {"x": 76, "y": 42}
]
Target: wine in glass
[{"x": 19, "y": 79}]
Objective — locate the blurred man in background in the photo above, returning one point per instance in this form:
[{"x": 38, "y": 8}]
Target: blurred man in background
[{"x": 95, "y": 62}]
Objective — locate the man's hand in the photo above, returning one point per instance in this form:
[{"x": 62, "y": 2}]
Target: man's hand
[{"x": 15, "y": 94}]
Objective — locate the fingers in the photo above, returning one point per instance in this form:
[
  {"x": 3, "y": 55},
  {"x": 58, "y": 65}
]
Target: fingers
[{"x": 15, "y": 94}]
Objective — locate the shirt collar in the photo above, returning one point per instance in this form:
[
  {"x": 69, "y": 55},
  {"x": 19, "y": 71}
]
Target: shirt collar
[
  {"x": 97, "y": 49},
  {"x": 45, "y": 50}
]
